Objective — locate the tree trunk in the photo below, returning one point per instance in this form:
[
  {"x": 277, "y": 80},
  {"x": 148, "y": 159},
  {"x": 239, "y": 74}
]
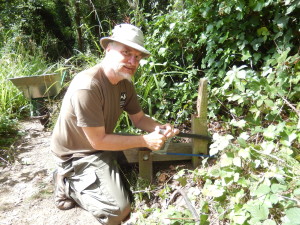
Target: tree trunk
[{"x": 78, "y": 25}]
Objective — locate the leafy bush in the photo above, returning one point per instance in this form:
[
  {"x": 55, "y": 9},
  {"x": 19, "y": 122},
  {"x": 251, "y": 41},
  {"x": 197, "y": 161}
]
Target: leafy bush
[{"x": 209, "y": 38}]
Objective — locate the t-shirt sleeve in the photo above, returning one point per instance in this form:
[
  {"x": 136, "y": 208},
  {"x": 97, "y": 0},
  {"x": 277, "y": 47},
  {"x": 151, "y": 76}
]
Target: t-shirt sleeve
[
  {"x": 132, "y": 105},
  {"x": 87, "y": 108}
]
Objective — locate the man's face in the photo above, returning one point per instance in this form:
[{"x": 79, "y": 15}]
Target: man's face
[{"x": 124, "y": 60}]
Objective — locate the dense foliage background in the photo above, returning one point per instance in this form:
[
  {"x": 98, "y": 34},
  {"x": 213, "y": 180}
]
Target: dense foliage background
[{"x": 249, "y": 52}]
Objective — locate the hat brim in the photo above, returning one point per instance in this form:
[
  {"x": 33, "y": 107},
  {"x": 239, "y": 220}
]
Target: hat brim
[{"x": 105, "y": 40}]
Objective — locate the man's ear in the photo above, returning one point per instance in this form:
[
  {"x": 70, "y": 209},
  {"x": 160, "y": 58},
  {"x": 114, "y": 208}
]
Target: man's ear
[{"x": 108, "y": 47}]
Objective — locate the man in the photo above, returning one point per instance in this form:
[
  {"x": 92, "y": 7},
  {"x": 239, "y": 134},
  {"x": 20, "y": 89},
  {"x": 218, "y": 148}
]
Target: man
[{"x": 83, "y": 141}]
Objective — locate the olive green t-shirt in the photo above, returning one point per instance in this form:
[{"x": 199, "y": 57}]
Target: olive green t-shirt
[{"x": 90, "y": 101}]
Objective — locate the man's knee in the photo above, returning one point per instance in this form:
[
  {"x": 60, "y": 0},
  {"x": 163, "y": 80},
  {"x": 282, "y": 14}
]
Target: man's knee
[{"x": 112, "y": 217}]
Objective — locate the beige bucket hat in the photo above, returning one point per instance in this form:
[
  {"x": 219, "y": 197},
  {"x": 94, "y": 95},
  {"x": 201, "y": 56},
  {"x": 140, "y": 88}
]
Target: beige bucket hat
[{"x": 126, "y": 34}]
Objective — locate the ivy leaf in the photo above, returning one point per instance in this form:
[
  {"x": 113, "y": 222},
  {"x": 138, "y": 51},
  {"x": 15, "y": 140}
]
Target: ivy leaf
[
  {"x": 258, "y": 6},
  {"x": 282, "y": 22},
  {"x": 244, "y": 136},
  {"x": 277, "y": 188},
  {"x": 297, "y": 192},
  {"x": 267, "y": 71},
  {"x": 212, "y": 191},
  {"x": 262, "y": 189},
  {"x": 181, "y": 178},
  {"x": 240, "y": 123},
  {"x": 259, "y": 102},
  {"x": 269, "y": 222},
  {"x": 226, "y": 161},
  {"x": 244, "y": 153},
  {"x": 273, "y": 199},
  {"x": 222, "y": 39},
  {"x": 237, "y": 162},
  {"x": 268, "y": 147},
  {"x": 289, "y": 140},
  {"x": 220, "y": 143},
  {"x": 291, "y": 9},
  {"x": 239, "y": 219},
  {"x": 204, "y": 214},
  {"x": 182, "y": 181},
  {"x": 270, "y": 132},
  {"x": 269, "y": 103},
  {"x": 242, "y": 142},
  {"x": 245, "y": 55},
  {"x": 258, "y": 211},
  {"x": 263, "y": 31},
  {"x": 234, "y": 98},
  {"x": 243, "y": 182},
  {"x": 292, "y": 215},
  {"x": 242, "y": 74},
  {"x": 162, "y": 51}
]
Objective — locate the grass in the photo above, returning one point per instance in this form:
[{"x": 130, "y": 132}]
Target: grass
[{"x": 19, "y": 57}]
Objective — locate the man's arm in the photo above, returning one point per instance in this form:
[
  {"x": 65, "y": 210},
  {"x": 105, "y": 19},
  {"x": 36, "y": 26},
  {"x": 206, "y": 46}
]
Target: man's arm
[
  {"x": 99, "y": 140},
  {"x": 143, "y": 122},
  {"x": 112, "y": 142}
]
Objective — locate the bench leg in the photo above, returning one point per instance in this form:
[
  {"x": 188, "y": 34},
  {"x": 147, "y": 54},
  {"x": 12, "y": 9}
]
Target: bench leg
[
  {"x": 199, "y": 122},
  {"x": 145, "y": 165}
]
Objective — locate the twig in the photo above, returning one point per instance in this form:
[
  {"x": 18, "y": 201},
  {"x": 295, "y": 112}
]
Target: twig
[
  {"x": 5, "y": 160},
  {"x": 180, "y": 218},
  {"x": 189, "y": 204},
  {"x": 274, "y": 157},
  {"x": 187, "y": 201},
  {"x": 145, "y": 191},
  {"x": 292, "y": 199},
  {"x": 291, "y": 106},
  {"x": 172, "y": 197}
]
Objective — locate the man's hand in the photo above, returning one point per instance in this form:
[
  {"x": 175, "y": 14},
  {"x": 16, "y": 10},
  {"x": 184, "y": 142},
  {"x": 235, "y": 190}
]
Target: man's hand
[
  {"x": 155, "y": 140},
  {"x": 168, "y": 130}
]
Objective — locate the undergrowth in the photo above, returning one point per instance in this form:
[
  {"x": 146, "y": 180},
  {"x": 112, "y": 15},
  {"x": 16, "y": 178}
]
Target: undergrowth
[{"x": 245, "y": 184}]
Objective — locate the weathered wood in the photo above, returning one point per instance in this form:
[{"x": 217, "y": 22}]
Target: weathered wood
[
  {"x": 145, "y": 164},
  {"x": 199, "y": 122},
  {"x": 132, "y": 155}
]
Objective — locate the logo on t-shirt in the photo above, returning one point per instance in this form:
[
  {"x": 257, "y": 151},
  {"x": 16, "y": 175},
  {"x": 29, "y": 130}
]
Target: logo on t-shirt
[{"x": 123, "y": 99}]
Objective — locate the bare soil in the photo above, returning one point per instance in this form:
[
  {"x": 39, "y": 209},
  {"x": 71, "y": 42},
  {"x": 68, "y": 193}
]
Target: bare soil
[{"x": 26, "y": 193}]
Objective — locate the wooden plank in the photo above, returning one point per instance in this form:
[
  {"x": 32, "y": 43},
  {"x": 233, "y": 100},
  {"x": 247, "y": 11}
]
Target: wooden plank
[
  {"x": 176, "y": 148},
  {"x": 132, "y": 155},
  {"x": 145, "y": 164},
  {"x": 199, "y": 122}
]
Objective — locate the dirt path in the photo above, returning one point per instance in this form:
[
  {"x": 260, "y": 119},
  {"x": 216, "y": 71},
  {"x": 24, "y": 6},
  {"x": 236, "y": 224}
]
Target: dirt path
[{"x": 26, "y": 193}]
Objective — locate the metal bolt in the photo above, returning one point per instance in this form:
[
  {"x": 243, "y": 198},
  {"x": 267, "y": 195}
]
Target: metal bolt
[{"x": 146, "y": 157}]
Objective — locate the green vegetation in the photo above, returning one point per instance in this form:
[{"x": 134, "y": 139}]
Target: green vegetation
[{"x": 248, "y": 51}]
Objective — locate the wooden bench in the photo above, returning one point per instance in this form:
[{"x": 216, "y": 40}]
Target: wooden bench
[{"x": 145, "y": 157}]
